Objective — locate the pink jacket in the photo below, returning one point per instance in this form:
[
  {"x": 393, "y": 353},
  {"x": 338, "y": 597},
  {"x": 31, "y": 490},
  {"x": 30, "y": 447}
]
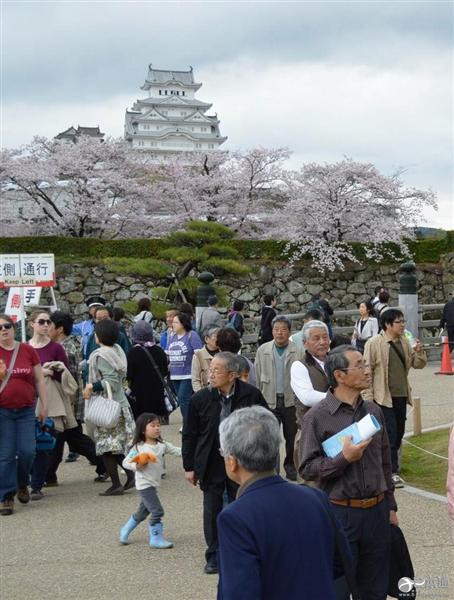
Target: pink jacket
[{"x": 450, "y": 479}]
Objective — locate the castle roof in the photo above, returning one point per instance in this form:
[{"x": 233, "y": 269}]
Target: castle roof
[
  {"x": 164, "y": 76},
  {"x": 72, "y": 132}
]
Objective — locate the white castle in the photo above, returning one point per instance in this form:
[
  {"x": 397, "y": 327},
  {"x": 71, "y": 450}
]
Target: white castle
[{"x": 171, "y": 119}]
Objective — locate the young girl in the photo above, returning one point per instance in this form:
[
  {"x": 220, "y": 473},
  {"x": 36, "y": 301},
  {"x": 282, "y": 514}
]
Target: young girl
[{"x": 147, "y": 440}]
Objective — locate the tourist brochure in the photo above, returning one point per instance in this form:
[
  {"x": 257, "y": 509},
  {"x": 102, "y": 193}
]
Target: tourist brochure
[{"x": 360, "y": 432}]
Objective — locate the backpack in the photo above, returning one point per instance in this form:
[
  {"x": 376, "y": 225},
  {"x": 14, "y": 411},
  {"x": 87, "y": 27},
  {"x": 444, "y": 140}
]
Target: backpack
[
  {"x": 233, "y": 323},
  {"x": 45, "y": 435}
]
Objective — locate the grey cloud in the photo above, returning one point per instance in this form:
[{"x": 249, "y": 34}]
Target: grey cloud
[{"x": 79, "y": 50}]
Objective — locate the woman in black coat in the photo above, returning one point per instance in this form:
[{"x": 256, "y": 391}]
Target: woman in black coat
[{"x": 144, "y": 382}]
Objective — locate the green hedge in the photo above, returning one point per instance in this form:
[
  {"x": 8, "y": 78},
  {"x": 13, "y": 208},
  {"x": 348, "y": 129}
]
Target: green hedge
[{"x": 426, "y": 250}]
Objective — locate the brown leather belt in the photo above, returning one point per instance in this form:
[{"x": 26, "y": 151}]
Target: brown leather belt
[{"x": 360, "y": 503}]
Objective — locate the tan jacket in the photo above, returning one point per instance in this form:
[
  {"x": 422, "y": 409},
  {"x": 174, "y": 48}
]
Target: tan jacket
[
  {"x": 59, "y": 396},
  {"x": 376, "y": 355},
  {"x": 266, "y": 372},
  {"x": 200, "y": 366}
]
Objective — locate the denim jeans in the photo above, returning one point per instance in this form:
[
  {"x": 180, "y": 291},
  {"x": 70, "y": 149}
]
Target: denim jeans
[
  {"x": 17, "y": 448},
  {"x": 39, "y": 469},
  {"x": 183, "y": 388},
  {"x": 149, "y": 505}
]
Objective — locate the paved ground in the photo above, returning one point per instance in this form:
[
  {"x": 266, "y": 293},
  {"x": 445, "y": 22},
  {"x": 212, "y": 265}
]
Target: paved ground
[{"x": 65, "y": 546}]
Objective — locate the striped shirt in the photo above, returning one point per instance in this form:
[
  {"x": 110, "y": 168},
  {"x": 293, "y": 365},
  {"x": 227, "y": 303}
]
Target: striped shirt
[{"x": 364, "y": 478}]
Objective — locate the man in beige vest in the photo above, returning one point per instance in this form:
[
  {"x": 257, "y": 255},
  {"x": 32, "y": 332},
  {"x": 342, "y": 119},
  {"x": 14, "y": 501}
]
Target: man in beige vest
[
  {"x": 272, "y": 366},
  {"x": 307, "y": 376}
]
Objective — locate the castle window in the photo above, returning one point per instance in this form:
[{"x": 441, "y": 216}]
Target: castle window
[{"x": 211, "y": 146}]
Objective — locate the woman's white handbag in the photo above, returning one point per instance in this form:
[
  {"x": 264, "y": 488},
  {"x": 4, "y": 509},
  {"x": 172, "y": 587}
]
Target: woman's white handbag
[{"x": 101, "y": 411}]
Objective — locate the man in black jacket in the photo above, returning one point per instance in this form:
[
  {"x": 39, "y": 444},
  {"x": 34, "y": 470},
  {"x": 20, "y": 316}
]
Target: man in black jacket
[
  {"x": 447, "y": 320},
  {"x": 268, "y": 314},
  {"x": 202, "y": 461}
]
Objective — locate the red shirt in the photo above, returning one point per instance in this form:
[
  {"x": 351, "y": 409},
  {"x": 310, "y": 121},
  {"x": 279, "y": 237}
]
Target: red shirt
[{"x": 20, "y": 391}]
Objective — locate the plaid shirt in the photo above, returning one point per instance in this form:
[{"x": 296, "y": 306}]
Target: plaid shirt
[{"x": 74, "y": 352}]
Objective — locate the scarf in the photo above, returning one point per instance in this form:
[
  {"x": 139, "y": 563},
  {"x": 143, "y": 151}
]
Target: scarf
[{"x": 113, "y": 355}]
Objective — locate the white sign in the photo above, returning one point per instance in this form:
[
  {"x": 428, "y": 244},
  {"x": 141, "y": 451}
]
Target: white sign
[
  {"x": 27, "y": 270},
  {"x": 32, "y": 297}
]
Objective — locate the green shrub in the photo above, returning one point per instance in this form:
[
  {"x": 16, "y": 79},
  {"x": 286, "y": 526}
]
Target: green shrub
[
  {"x": 188, "y": 238},
  {"x": 183, "y": 255},
  {"x": 219, "y": 266},
  {"x": 214, "y": 230},
  {"x": 221, "y": 250},
  {"x": 94, "y": 250},
  {"x": 130, "y": 307},
  {"x": 149, "y": 267}
]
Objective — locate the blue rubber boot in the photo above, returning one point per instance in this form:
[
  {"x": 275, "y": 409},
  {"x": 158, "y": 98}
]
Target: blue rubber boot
[
  {"x": 156, "y": 539},
  {"x": 130, "y": 524}
]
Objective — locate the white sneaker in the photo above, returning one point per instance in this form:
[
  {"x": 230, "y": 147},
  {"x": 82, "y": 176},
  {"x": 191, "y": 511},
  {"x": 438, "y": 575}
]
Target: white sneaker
[{"x": 398, "y": 481}]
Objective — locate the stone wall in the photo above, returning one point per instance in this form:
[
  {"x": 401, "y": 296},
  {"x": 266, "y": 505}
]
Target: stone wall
[{"x": 293, "y": 286}]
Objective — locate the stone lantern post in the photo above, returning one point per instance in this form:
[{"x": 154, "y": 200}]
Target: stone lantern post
[
  {"x": 408, "y": 296},
  {"x": 204, "y": 291}
]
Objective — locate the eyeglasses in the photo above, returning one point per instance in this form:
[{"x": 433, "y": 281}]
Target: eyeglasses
[
  {"x": 6, "y": 326},
  {"x": 361, "y": 367},
  {"x": 400, "y": 321},
  {"x": 217, "y": 371},
  {"x": 43, "y": 321}
]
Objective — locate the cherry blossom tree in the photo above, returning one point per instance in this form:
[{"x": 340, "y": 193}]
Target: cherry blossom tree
[
  {"x": 238, "y": 190},
  {"x": 334, "y": 205},
  {"x": 88, "y": 188}
]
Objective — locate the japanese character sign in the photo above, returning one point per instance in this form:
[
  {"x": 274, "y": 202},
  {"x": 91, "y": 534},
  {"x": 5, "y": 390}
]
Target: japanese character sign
[{"x": 26, "y": 270}]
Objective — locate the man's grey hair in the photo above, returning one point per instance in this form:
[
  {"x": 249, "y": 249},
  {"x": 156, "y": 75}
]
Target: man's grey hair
[
  {"x": 307, "y": 327},
  {"x": 209, "y": 330},
  {"x": 252, "y": 436},
  {"x": 337, "y": 360},
  {"x": 230, "y": 359},
  {"x": 282, "y": 319}
]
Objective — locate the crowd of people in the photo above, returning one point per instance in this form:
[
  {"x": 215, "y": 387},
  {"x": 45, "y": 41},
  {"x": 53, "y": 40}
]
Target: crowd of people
[{"x": 311, "y": 383}]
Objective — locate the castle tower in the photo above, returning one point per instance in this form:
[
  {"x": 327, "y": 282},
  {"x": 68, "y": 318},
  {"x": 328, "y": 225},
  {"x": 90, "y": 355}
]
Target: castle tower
[{"x": 171, "y": 119}]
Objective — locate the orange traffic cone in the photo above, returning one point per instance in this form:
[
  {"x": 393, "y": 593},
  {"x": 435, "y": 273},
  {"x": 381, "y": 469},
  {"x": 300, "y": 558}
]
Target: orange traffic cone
[{"x": 446, "y": 365}]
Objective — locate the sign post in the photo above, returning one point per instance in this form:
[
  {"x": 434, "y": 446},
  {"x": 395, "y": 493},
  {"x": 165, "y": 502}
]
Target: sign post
[{"x": 31, "y": 271}]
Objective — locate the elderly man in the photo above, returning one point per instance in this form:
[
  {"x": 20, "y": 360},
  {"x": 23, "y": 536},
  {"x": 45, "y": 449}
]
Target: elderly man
[
  {"x": 276, "y": 541},
  {"x": 272, "y": 366},
  {"x": 359, "y": 479},
  {"x": 200, "y": 449},
  {"x": 307, "y": 376},
  {"x": 390, "y": 356}
]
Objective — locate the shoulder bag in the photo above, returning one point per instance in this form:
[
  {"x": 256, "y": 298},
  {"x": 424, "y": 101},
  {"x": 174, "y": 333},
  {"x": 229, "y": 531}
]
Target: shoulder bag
[
  {"x": 101, "y": 411},
  {"x": 170, "y": 398},
  {"x": 11, "y": 367}
]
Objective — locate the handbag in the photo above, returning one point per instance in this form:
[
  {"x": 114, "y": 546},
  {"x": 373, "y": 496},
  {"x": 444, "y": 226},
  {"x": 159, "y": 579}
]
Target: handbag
[
  {"x": 170, "y": 398},
  {"x": 101, "y": 411},
  {"x": 400, "y": 565}
]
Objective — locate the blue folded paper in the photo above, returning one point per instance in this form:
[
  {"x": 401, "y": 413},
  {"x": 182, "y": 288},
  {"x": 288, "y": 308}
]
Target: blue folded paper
[{"x": 360, "y": 431}]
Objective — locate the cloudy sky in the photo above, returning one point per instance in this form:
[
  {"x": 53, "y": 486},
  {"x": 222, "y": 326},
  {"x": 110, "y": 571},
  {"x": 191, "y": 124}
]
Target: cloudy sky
[{"x": 368, "y": 80}]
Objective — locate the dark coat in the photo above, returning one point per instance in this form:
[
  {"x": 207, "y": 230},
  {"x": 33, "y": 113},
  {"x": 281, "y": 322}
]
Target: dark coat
[
  {"x": 266, "y": 334},
  {"x": 145, "y": 384},
  {"x": 276, "y": 542},
  {"x": 447, "y": 319},
  {"x": 200, "y": 447}
]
